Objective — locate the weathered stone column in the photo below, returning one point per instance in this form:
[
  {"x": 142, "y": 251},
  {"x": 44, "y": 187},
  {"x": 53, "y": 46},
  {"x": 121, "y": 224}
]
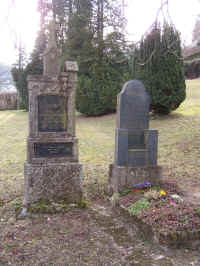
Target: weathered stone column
[{"x": 52, "y": 171}]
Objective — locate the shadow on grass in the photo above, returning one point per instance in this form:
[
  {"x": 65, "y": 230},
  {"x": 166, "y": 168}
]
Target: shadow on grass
[{"x": 172, "y": 116}]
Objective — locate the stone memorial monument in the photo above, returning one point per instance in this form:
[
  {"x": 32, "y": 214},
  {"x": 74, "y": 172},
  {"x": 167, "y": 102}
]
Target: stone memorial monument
[
  {"x": 135, "y": 145},
  {"x": 52, "y": 171}
]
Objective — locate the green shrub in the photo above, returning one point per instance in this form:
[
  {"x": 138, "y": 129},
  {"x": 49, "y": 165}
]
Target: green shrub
[
  {"x": 97, "y": 92},
  {"x": 198, "y": 211},
  {"x": 19, "y": 77},
  {"x": 138, "y": 206},
  {"x": 125, "y": 192},
  {"x": 159, "y": 64}
]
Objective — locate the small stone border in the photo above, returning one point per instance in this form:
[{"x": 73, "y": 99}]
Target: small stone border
[{"x": 179, "y": 239}]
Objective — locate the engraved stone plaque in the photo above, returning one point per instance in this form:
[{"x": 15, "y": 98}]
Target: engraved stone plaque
[
  {"x": 53, "y": 149},
  {"x": 52, "y": 113}
]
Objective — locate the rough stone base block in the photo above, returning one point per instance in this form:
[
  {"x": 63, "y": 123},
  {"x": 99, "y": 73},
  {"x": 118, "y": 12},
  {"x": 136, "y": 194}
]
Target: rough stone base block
[
  {"x": 52, "y": 181},
  {"x": 124, "y": 177}
]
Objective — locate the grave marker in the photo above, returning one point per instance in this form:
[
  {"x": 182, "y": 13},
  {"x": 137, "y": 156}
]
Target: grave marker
[
  {"x": 135, "y": 145},
  {"x": 52, "y": 171}
]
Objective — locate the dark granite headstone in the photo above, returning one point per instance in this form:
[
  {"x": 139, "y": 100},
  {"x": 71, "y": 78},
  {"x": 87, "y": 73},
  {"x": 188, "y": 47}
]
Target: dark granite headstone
[
  {"x": 134, "y": 107},
  {"x": 135, "y": 144}
]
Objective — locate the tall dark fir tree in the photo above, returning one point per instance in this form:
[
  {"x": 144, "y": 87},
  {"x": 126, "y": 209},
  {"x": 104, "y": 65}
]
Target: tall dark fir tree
[
  {"x": 159, "y": 64},
  {"x": 82, "y": 35}
]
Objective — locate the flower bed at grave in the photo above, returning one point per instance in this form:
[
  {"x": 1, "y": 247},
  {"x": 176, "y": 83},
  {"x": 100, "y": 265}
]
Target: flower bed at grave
[{"x": 163, "y": 215}]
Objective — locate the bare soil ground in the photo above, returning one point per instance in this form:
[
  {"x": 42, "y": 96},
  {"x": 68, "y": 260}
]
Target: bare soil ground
[{"x": 92, "y": 236}]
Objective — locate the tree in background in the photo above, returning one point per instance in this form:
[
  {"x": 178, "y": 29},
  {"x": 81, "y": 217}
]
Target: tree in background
[
  {"x": 35, "y": 65},
  {"x": 22, "y": 69},
  {"x": 159, "y": 64},
  {"x": 103, "y": 63},
  {"x": 196, "y": 33},
  {"x": 19, "y": 77},
  {"x": 90, "y": 32},
  {"x": 79, "y": 43}
]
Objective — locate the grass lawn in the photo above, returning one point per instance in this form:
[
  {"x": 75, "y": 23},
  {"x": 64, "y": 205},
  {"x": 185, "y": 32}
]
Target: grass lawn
[{"x": 179, "y": 146}]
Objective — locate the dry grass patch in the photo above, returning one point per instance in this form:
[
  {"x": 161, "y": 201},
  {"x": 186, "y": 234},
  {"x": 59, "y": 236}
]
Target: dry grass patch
[{"x": 179, "y": 146}]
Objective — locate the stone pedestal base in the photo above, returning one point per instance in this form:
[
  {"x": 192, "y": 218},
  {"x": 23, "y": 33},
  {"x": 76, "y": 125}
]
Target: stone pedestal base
[
  {"x": 124, "y": 177},
  {"x": 52, "y": 181}
]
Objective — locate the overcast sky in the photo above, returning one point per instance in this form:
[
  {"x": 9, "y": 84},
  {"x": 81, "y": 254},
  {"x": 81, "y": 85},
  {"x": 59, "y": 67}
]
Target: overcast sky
[
  {"x": 142, "y": 13},
  {"x": 15, "y": 21},
  {"x": 23, "y": 20}
]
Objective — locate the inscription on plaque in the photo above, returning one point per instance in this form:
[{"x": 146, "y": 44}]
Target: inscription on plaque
[
  {"x": 53, "y": 149},
  {"x": 52, "y": 113}
]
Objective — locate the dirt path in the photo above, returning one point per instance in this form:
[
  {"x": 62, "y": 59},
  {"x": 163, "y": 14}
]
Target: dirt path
[{"x": 94, "y": 236}]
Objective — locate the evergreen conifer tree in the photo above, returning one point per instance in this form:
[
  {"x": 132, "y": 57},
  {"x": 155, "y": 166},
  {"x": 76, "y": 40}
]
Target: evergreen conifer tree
[
  {"x": 159, "y": 64},
  {"x": 83, "y": 37}
]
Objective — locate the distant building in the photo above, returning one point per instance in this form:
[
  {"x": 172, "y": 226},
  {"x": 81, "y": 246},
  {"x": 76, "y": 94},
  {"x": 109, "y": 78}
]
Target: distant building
[{"x": 191, "y": 52}]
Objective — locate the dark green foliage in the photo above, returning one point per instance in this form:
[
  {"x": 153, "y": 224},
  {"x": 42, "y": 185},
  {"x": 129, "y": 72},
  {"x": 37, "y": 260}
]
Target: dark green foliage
[
  {"x": 102, "y": 62},
  {"x": 159, "y": 64},
  {"x": 192, "y": 69},
  {"x": 34, "y": 67},
  {"x": 82, "y": 35},
  {"x": 79, "y": 45},
  {"x": 96, "y": 94},
  {"x": 98, "y": 89},
  {"x": 138, "y": 206},
  {"x": 19, "y": 77}
]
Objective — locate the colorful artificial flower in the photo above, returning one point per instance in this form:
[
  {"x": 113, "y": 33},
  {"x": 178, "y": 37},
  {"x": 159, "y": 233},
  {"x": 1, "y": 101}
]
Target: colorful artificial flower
[
  {"x": 163, "y": 193},
  {"x": 142, "y": 185}
]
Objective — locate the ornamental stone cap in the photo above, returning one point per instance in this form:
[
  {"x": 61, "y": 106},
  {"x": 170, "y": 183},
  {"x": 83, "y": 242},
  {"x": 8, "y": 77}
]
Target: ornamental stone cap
[
  {"x": 52, "y": 55},
  {"x": 71, "y": 66}
]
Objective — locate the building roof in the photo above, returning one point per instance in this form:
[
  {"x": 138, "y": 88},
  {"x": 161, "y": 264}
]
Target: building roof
[{"x": 188, "y": 51}]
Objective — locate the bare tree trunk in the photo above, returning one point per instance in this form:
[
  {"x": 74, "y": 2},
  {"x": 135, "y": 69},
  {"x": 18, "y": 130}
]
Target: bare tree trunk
[
  {"x": 20, "y": 67},
  {"x": 100, "y": 27}
]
